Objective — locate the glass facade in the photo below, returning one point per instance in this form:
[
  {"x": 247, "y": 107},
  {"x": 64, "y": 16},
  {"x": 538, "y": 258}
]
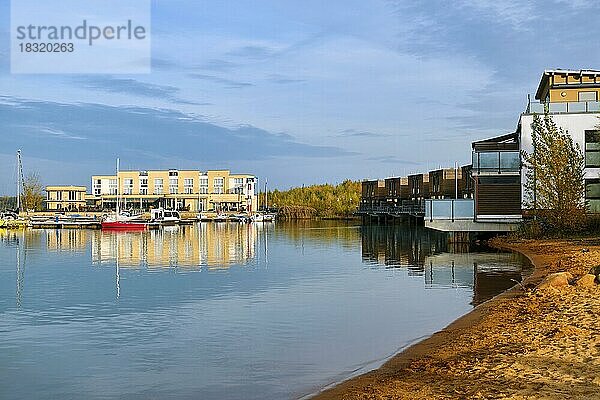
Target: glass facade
[
  {"x": 496, "y": 161},
  {"x": 592, "y": 149},
  {"x": 565, "y": 107},
  {"x": 592, "y": 195}
]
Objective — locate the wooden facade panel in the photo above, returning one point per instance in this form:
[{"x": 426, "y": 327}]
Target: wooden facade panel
[
  {"x": 442, "y": 184},
  {"x": 498, "y": 199},
  {"x": 397, "y": 188}
]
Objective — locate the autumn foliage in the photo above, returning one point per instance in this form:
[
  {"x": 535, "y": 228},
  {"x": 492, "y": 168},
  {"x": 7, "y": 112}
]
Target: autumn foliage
[
  {"x": 554, "y": 189},
  {"x": 327, "y": 201}
]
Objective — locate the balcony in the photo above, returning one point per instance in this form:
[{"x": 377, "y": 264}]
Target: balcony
[
  {"x": 450, "y": 209},
  {"x": 496, "y": 162},
  {"x": 564, "y": 108}
]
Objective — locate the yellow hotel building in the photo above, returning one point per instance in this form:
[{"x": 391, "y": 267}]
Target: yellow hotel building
[{"x": 186, "y": 190}]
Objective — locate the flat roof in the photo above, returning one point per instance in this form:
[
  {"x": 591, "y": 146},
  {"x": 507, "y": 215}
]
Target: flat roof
[
  {"x": 549, "y": 72},
  {"x": 58, "y": 187}
]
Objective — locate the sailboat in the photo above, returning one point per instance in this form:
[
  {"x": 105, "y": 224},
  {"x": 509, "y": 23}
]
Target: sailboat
[
  {"x": 119, "y": 221},
  {"x": 264, "y": 216}
]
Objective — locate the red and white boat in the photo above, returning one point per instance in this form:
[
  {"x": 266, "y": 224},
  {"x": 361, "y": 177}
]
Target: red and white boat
[{"x": 118, "y": 221}]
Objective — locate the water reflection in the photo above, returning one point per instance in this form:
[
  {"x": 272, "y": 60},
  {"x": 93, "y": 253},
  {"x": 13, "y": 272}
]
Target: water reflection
[
  {"x": 224, "y": 311},
  {"x": 215, "y": 246},
  {"x": 428, "y": 253},
  {"x": 16, "y": 239}
]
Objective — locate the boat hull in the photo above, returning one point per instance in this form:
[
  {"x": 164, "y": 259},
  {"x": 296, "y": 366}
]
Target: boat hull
[{"x": 121, "y": 225}]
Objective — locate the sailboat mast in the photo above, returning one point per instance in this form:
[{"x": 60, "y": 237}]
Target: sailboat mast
[
  {"x": 266, "y": 197},
  {"x": 118, "y": 189},
  {"x": 20, "y": 181}
]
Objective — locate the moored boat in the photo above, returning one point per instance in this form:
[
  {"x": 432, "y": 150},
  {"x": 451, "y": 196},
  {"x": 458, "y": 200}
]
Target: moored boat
[
  {"x": 118, "y": 221},
  {"x": 165, "y": 217}
]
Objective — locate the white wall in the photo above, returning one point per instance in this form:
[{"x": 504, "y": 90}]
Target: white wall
[{"x": 574, "y": 124}]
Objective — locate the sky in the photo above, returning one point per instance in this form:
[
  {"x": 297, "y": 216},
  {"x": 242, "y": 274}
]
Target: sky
[{"x": 296, "y": 92}]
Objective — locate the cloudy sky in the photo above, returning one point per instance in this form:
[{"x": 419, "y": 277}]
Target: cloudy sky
[{"x": 299, "y": 92}]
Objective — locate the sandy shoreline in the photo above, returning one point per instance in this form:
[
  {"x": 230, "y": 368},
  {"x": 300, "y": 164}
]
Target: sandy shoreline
[{"x": 541, "y": 344}]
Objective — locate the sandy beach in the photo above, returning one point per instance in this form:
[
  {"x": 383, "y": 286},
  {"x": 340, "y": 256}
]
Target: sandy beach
[{"x": 527, "y": 343}]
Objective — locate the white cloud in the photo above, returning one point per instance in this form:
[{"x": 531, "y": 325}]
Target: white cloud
[{"x": 518, "y": 14}]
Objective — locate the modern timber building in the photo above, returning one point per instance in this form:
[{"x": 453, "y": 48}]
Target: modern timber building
[
  {"x": 490, "y": 193},
  {"x": 571, "y": 98},
  {"x": 189, "y": 190}
]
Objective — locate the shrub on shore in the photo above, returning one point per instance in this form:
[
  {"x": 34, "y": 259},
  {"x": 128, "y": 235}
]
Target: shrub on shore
[{"x": 327, "y": 201}]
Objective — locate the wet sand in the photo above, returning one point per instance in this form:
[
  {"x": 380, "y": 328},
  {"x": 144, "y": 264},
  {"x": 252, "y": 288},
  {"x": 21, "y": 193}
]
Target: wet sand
[{"x": 523, "y": 344}]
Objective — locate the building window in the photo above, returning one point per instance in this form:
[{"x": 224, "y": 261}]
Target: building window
[
  {"x": 496, "y": 162},
  {"x": 203, "y": 182},
  {"x": 592, "y": 195},
  {"x": 143, "y": 185},
  {"x": 73, "y": 195},
  {"x": 112, "y": 186},
  {"x": 587, "y": 96},
  {"x": 238, "y": 186},
  {"x": 158, "y": 186},
  {"x": 510, "y": 161},
  {"x": 128, "y": 186},
  {"x": 592, "y": 148},
  {"x": 97, "y": 187},
  {"x": 173, "y": 185},
  {"x": 188, "y": 185},
  {"x": 218, "y": 185},
  {"x": 59, "y": 196}
]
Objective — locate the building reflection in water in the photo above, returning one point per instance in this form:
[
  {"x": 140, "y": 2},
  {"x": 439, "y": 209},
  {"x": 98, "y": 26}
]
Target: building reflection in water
[
  {"x": 210, "y": 245},
  {"x": 426, "y": 253},
  {"x": 213, "y": 246}
]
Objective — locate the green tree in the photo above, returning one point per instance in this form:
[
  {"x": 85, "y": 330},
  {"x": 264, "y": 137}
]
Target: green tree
[
  {"x": 33, "y": 193},
  {"x": 554, "y": 188}
]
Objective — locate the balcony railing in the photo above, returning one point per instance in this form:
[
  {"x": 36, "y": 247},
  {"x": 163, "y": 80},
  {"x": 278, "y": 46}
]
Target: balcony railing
[
  {"x": 449, "y": 209},
  {"x": 406, "y": 208},
  {"x": 564, "y": 108}
]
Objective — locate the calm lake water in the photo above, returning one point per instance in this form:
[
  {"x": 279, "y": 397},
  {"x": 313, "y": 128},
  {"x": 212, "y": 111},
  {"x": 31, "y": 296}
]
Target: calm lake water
[{"x": 225, "y": 311}]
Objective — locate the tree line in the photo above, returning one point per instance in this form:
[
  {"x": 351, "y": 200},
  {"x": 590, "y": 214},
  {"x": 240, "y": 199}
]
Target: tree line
[
  {"x": 32, "y": 196},
  {"x": 327, "y": 200}
]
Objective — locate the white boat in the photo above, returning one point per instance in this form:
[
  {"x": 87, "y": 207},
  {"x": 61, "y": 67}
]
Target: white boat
[
  {"x": 221, "y": 218},
  {"x": 165, "y": 217},
  {"x": 242, "y": 218},
  {"x": 269, "y": 217},
  {"x": 257, "y": 217}
]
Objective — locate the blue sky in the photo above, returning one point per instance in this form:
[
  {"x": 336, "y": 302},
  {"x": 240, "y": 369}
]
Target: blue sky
[{"x": 299, "y": 92}]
